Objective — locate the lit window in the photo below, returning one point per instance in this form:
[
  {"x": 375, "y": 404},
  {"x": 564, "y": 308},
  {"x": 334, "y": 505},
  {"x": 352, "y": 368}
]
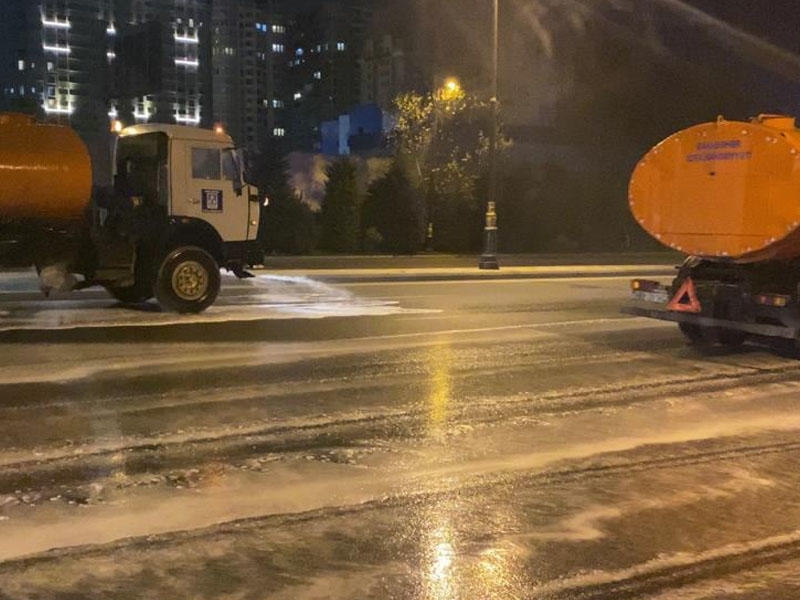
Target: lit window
[
  {"x": 50, "y": 66},
  {"x": 298, "y": 96},
  {"x": 56, "y": 49},
  {"x": 186, "y": 39},
  {"x": 278, "y": 29},
  {"x": 317, "y": 74},
  {"x": 299, "y": 52},
  {"x": 340, "y": 46},
  {"x": 56, "y": 24},
  {"x": 21, "y": 65},
  {"x": 279, "y": 132},
  {"x": 277, "y": 103},
  {"x": 277, "y": 47}
]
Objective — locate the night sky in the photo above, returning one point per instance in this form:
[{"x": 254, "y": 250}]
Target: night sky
[{"x": 777, "y": 21}]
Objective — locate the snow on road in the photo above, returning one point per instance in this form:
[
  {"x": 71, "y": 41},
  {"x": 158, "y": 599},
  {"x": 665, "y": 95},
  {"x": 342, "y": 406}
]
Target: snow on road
[{"x": 263, "y": 297}]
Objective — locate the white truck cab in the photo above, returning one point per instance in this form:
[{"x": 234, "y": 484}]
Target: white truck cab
[
  {"x": 204, "y": 176},
  {"x": 193, "y": 213}
]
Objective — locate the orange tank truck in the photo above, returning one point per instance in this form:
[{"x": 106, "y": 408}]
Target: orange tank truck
[
  {"x": 726, "y": 194},
  {"x": 45, "y": 169},
  {"x": 178, "y": 211}
]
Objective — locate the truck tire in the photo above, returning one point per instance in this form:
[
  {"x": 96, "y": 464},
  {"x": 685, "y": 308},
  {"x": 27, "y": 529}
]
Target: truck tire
[
  {"x": 730, "y": 337},
  {"x": 142, "y": 288},
  {"x": 188, "y": 280},
  {"x": 709, "y": 336},
  {"x": 693, "y": 333}
]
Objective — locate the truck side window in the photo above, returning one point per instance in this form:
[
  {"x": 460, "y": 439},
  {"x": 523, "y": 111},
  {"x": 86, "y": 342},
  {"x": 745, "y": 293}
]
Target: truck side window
[{"x": 205, "y": 163}]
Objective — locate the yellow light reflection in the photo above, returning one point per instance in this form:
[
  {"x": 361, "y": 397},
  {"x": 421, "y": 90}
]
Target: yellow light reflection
[
  {"x": 440, "y": 576},
  {"x": 498, "y": 573},
  {"x": 440, "y": 388}
]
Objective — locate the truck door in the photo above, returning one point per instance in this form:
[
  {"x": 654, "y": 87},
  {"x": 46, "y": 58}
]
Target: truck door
[{"x": 210, "y": 193}]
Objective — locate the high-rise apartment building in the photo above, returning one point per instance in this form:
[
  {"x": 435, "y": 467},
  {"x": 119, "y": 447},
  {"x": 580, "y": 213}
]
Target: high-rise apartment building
[
  {"x": 249, "y": 58},
  {"x": 64, "y": 54},
  {"x": 383, "y": 71},
  {"x": 270, "y": 71},
  {"x": 323, "y": 78},
  {"x": 54, "y": 57},
  {"x": 184, "y": 90}
]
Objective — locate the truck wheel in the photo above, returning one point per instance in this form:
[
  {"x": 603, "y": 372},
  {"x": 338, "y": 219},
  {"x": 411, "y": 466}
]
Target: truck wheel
[
  {"x": 142, "y": 288},
  {"x": 708, "y": 336},
  {"x": 730, "y": 337},
  {"x": 188, "y": 280},
  {"x": 693, "y": 333}
]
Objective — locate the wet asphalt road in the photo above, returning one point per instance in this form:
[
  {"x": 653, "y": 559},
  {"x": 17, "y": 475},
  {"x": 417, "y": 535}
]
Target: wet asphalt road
[{"x": 466, "y": 439}]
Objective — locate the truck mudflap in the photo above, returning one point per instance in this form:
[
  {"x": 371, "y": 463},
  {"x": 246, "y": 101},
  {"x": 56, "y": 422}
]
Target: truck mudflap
[{"x": 652, "y": 300}]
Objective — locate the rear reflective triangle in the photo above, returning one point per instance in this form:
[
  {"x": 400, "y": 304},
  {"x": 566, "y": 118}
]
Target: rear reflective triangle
[{"x": 685, "y": 299}]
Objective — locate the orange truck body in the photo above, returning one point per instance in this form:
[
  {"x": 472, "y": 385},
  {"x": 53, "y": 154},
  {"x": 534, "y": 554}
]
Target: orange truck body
[
  {"x": 45, "y": 169},
  {"x": 725, "y": 190},
  {"x": 727, "y": 193}
]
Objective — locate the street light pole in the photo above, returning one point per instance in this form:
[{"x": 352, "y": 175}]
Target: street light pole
[{"x": 488, "y": 259}]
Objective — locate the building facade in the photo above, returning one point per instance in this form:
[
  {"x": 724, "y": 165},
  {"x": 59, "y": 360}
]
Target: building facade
[
  {"x": 269, "y": 71},
  {"x": 249, "y": 50},
  {"x": 383, "y": 71},
  {"x": 323, "y": 78},
  {"x": 54, "y": 58},
  {"x": 60, "y": 55},
  {"x": 181, "y": 86}
]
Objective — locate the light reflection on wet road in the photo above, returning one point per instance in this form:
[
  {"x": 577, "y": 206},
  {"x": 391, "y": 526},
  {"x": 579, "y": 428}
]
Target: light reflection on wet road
[{"x": 495, "y": 439}]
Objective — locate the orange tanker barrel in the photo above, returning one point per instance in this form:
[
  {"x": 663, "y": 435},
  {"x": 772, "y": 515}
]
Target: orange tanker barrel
[
  {"x": 723, "y": 190},
  {"x": 45, "y": 170}
]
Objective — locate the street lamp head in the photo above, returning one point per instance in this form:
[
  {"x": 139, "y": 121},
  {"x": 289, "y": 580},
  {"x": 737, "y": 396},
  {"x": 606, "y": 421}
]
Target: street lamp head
[
  {"x": 451, "y": 90},
  {"x": 452, "y": 85}
]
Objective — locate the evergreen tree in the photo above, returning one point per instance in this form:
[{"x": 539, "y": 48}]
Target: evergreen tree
[
  {"x": 341, "y": 209},
  {"x": 287, "y": 223},
  {"x": 394, "y": 210}
]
